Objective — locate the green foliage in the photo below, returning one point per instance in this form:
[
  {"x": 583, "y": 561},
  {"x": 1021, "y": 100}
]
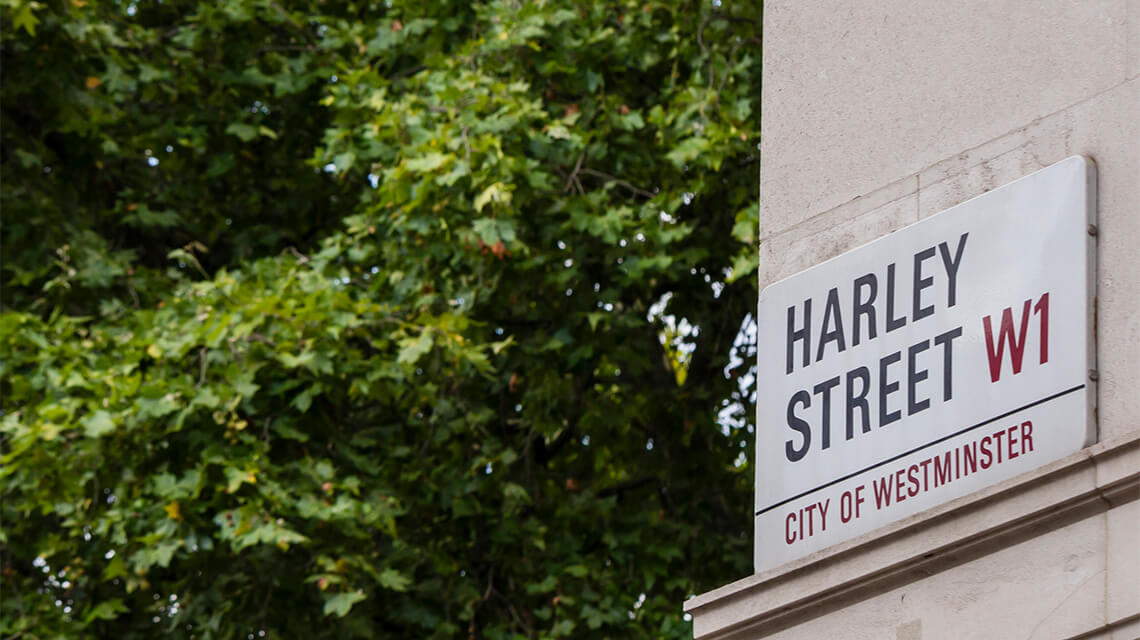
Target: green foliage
[{"x": 354, "y": 320}]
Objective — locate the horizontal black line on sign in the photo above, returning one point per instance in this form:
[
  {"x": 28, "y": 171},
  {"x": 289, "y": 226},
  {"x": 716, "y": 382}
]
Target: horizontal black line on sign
[{"x": 920, "y": 448}]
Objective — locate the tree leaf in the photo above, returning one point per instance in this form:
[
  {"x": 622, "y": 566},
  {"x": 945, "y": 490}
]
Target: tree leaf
[
  {"x": 412, "y": 349},
  {"x": 340, "y": 604},
  {"x": 106, "y": 610},
  {"x": 429, "y": 162},
  {"x": 496, "y": 193},
  {"x": 392, "y": 579},
  {"x": 24, "y": 18},
  {"x": 97, "y": 424},
  {"x": 245, "y": 132}
]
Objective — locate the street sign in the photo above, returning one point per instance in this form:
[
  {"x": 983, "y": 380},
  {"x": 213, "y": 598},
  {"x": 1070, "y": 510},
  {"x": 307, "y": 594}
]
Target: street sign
[{"x": 933, "y": 362}]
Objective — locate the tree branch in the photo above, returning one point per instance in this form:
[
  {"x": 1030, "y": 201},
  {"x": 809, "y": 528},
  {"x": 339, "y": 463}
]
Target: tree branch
[
  {"x": 574, "y": 174},
  {"x": 618, "y": 181},
  {"x": 629, "y": 485}
]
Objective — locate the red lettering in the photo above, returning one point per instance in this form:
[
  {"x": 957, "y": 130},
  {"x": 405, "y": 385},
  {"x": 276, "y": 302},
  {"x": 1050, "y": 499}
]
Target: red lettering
[
  {"x": 846, "y": 507},
  {"x": 942, "y": 468},
  {"x": 1026, "y": 435},
  {"x": 998, "y": 448},
  {"x": 1042, "y": 307},
  {"x": 970, "y": 459},
  {"x": 882, "y": 488},
  {"x": 959, "y": 462},
  {"x": 911, "y": 476},
  {"x": 789, "y": 535},
  {"x": 1016, "y": 344}
]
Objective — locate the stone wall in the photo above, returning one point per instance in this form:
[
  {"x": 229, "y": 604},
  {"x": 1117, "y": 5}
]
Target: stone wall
[{"x": 878, "y": 114}]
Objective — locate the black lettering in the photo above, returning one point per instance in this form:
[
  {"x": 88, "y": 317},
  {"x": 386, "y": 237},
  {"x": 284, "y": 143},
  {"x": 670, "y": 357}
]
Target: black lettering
[
  {"x": 913, "y": 377},
  {"x": 920, "y": 283},
  {"x": 886, "y": 389},
  {"x": 831, "y": 314},
  {"x": 892, "y": 322},
  {"x": 825, "y": 408},
  {"x": 952, "y": 268},
  {"x": 947, "y": 342},
  {"x": 864, "y": 308},
  {"x": 859, "y": 401},
  {"x": 803, "y": 333},
  {"x": 798, "y": 424}
]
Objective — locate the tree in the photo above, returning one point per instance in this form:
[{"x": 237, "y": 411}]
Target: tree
[{"x": 337, "y": 319}]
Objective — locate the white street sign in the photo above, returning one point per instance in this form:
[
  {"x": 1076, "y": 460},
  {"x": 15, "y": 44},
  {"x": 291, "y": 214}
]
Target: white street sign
[{"x": 941, "y": 359}]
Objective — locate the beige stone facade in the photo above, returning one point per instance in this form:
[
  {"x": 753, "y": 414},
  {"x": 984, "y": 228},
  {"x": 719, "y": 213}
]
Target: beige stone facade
[{"x": 876, "y": 115}]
